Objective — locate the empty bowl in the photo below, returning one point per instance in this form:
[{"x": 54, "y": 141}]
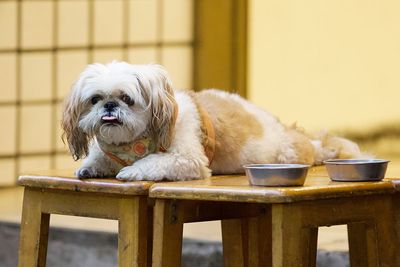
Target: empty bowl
[
  {"x": 276, "y": 174},
  {"x": 351, "y": 170}
]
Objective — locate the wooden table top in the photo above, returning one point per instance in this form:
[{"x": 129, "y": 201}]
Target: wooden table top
[
  {"x": 66, "y": 180},
  {"x": 237, "y": 188},
  {"x": 218, "y": 188}
]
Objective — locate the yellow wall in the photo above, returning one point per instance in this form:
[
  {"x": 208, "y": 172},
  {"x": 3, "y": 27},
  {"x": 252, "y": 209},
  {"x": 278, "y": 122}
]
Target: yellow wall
[
  {"x": 326, "y": 64},
  {"x": 45, "y": 44}
]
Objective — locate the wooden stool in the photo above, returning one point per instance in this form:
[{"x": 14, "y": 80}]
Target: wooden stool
[
  {"x": 59, "y": 193},
  {"x": 266, "y": 226}
]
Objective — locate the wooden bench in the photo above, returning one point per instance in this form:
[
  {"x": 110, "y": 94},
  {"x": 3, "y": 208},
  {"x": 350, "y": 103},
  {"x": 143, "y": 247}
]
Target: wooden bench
[
  {"x": 57, "y": 192},
  {"x": 266, "y": 226}
]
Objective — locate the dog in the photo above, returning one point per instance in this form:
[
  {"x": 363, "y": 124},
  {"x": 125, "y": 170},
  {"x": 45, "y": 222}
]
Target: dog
[{"x": 128, "y": 122}]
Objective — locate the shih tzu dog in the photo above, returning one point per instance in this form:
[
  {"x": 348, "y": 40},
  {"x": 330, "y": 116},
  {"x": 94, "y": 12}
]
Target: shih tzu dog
[{"x": 129, "y": 122}]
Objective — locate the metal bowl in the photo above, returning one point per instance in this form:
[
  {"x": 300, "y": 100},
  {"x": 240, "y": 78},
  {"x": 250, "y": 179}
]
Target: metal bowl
[
  {"x": 276, "y": 174},
  {"x": 354, "y": 170}
]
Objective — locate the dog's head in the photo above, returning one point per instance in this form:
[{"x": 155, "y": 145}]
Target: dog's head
[{"x": 117, "y": 103}]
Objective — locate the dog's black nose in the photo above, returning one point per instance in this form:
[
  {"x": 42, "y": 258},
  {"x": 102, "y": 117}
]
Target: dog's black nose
[{"x": 109, "y": 106}]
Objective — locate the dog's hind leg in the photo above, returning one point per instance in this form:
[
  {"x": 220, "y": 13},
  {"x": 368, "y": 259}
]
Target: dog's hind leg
[{"x": 330, "y": 147}]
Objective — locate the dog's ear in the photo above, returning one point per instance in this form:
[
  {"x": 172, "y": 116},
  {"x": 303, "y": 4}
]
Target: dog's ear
[
  {"x": 163, "y": 107},
  {"x": 77, "y": 140}
]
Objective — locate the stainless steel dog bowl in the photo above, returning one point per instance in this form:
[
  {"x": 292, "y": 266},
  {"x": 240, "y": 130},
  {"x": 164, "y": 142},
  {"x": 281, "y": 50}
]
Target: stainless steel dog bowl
[
  {"x": 353, "y": 170},
  {"x": 276, "y": 174}
]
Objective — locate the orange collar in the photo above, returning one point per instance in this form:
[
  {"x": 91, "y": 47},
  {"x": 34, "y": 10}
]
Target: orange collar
[{"x": 127, "y": 154}]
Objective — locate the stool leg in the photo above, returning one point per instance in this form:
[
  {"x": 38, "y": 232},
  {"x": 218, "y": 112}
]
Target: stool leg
[
  {"x": 293, "y": 244},
  {"x": 149, "y": 234},
  {"x": 260, "y": 240},
  {"x": 247, "y": 241},
  {"x": 132, "y": 232},
  {"x": 388, "y": 244},
  {"x": 167, "y": 239},
  {"x": 34, "y": 231},
  {"x": 311, "y": 249},
  {"x": 362, "y": 244},
  {"x": 374, "y": 242},
  {"x": 234, "y": 242}
]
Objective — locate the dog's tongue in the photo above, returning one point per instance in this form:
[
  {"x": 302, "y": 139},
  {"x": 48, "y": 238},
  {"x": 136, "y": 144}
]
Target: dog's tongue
[{"x": 109, "y": 118}]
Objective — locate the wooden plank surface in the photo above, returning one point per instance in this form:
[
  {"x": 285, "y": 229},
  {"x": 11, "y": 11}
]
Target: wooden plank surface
[
  {"x": 218, "y": 188},
  {"x": 66, "y": 180},
  {"x": 237, "y": 189}
]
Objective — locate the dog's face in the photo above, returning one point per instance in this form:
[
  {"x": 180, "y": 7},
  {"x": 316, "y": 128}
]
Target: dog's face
[{"x": 118, "y": 103}]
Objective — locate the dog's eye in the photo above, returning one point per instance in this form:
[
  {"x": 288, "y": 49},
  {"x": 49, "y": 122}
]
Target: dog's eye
[
  {"x": 127, "y": 99},
  {"x": 95, "y": 99}
]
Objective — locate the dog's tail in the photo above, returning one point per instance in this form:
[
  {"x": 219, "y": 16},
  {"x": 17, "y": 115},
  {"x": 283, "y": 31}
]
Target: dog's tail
[{"x": 328, "y": 146}]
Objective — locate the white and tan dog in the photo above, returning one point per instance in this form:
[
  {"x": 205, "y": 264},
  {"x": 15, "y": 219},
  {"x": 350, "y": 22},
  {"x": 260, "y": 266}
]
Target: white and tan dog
[{"x": 130, "y": 123}]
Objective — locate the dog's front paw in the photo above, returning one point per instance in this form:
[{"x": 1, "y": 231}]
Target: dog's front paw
[
  {"x": 140, "y": 172},
  {"x": 91, "y": 172},
  {"x": 86, "y": 172},
  {"x": 131, "y": 173}
]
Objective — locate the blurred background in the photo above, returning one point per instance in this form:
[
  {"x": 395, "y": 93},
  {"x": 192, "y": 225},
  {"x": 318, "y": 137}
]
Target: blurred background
[
  {"x": 45, "y": 44},
  {"x": 325, "y": 65},
  {"x": 330, "y": 65}
]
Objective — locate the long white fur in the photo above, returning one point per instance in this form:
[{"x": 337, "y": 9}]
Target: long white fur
[
  {"x": 184, "y": 160},
  {"x": 185, "y": 157}
]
